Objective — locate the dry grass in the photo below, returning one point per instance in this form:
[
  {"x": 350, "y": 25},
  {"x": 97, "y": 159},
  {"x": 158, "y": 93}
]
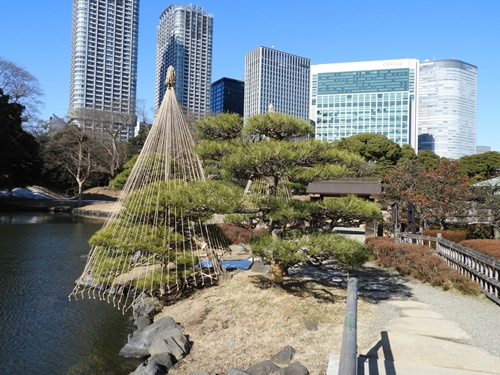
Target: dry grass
[
  {"x": 450, "y": 235},
  {"x": 247, "y": 319},
  {"x": 419, "y": 262},
  {"x": 487, "y": 247}
]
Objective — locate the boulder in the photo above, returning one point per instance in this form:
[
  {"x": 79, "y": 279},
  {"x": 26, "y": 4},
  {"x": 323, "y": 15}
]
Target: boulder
[
  {"x": 150, "y": 369},
  {"x": 284, "y": 357},
  {"x": 142, "y": 322},
  {"x": 145, "y": 307},
  {"x": 174, "y": 342},
  {"x": 139, "y": 343},
  {"x": 310, "y": 326},
  {"x": 263, "y": 368},
  {"x": 295, "y": 368},
  {"x": 236, "y": 371},
  {"x": 162, "y": 360}
]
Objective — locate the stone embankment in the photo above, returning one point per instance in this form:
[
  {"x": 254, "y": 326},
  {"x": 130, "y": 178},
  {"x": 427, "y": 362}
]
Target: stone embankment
[{"x": 99, "y": 210}]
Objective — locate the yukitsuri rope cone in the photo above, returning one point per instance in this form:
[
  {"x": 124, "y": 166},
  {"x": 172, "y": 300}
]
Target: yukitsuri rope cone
[
  {"x": 258, "y": 188},
  {"x": 151, "y": 246}
]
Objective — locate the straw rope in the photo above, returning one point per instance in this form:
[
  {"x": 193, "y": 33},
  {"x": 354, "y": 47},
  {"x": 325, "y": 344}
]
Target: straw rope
[{"x": 149, "y": 247}]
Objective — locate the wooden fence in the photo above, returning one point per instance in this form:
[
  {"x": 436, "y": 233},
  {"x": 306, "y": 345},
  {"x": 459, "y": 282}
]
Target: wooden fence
[{"x": 481, "y": 268}]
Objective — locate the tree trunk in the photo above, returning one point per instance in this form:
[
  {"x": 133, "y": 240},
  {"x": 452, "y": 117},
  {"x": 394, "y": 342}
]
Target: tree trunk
[
  {"x": 442, "y": 224},
  {"x": 277, "y": 271},
  {"x": 80, "y": 193},
  {"x": 272, "y": 184}
]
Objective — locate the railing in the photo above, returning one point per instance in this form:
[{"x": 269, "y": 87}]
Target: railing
[
  {"x": 348, "y": 363},
  {"x": 481, "y": 268}
]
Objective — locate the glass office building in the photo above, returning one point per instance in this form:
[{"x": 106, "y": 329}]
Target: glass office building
[
  {"x": 227, "y": 95},
  {"x": 277, "y": 78},
  {"x": 104, "y": 64},
  {"x": 447, "y": 107},
  {"x": 184, "y": 41},
  {"x": 365, "y": 97}
]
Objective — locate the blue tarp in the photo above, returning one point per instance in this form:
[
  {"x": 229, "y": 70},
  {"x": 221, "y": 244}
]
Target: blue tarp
[{"x": 243, "y": 264}]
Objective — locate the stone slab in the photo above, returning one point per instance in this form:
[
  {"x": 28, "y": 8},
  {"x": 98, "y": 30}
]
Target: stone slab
[
  {"x": 429, "y": 351},
  {"x": 417, "y": 313},
  {"x": 408, "y": 304},
  {"x": 367, "y": 366},
  {"x": 439, "y": 328}
]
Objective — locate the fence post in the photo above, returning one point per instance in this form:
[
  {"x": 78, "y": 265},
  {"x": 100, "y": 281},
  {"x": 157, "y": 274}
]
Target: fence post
[{"x": 348, "y": 352}]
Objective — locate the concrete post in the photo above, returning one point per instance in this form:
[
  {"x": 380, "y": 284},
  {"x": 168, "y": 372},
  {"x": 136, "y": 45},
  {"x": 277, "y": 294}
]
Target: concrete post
[{"x": 348, "y": 352}]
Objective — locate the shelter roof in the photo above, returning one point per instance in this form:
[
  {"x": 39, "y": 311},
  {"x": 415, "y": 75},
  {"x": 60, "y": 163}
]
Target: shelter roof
[{"x": 345, "y": 186}]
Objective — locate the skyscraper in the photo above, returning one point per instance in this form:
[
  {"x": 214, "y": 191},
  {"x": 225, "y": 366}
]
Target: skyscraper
[
  {"x": 227, "y": 95},
  {"x": 365, "y": 97},
  {"x": 447, "y": 108},
  {"x": 277, "y": 78},
  {"x": 184, "y": 41},
  {"x": 104, "y": 64}
]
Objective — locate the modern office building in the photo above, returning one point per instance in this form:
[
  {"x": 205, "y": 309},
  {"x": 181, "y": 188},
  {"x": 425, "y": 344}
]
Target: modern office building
[
  {"x": 365, "y": 97},
  {"x": 227, "y": 95},
  {"x": 104, "y": 65},
  {"x": 184, "y": 41},
  {"x": 482, "y": 149},
  {"x": 447, "y": 107},
  {"x": 277, "y": 78}
]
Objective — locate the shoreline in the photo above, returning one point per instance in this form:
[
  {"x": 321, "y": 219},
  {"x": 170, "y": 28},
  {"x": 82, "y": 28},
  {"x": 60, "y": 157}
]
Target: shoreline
[
  {"x": 95, "y": 209},
  {"x": 101, "y": 210}
]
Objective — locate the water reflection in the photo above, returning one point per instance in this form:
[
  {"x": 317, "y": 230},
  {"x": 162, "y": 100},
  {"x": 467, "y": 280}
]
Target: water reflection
[
  {"x": 40, "y": 218},
  {"x": 41, "y": 332}
]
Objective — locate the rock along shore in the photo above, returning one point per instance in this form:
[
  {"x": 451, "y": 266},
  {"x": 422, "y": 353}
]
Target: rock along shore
[{"x": 161, "y": 344}]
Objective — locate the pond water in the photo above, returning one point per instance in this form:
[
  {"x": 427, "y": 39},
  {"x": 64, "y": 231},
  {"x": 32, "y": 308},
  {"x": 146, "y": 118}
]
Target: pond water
[{"x": 41, "y": 332}]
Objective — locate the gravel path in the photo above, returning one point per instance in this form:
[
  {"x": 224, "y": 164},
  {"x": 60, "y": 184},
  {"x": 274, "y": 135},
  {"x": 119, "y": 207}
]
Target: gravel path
[{"x": 478, "y": 316}]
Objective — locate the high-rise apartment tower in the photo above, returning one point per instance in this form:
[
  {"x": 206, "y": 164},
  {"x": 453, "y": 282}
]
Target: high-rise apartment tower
[
  {"x": 365, "y": 97},
  {"x": 277, "y": 78},
  {"x": 184, "y": 41},
  {"x": 447, "y": 108},
  {"x": 104, "y": 64}
]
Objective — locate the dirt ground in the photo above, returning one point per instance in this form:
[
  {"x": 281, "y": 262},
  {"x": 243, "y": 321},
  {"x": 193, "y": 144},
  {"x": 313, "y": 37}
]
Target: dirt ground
[
  {"x": 246, "y": 319},
  {"x": 101, "y": 193}
]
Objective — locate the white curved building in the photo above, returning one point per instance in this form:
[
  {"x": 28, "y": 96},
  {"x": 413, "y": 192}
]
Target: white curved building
[{"x": 447, "y": 106}]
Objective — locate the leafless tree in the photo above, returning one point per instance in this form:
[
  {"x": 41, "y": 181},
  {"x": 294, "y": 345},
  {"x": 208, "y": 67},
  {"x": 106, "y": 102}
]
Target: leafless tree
[
  {"x": 112, "y": 142},
  {"x": 73, "y": 151},
  {"x": 143, "y": 114},
  {"x": 109, "y": 129},
  {"x": 23, "y": 88}
]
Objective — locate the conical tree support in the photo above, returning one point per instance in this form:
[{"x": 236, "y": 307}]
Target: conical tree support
[{"x": 151, "y": 246}]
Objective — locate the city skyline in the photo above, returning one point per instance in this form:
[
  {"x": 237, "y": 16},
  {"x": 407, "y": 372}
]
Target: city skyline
[{"x": 326, "y": 33}]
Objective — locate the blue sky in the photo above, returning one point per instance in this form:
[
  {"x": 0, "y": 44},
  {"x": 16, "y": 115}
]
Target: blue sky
[{"x": 37, "y": 35}]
